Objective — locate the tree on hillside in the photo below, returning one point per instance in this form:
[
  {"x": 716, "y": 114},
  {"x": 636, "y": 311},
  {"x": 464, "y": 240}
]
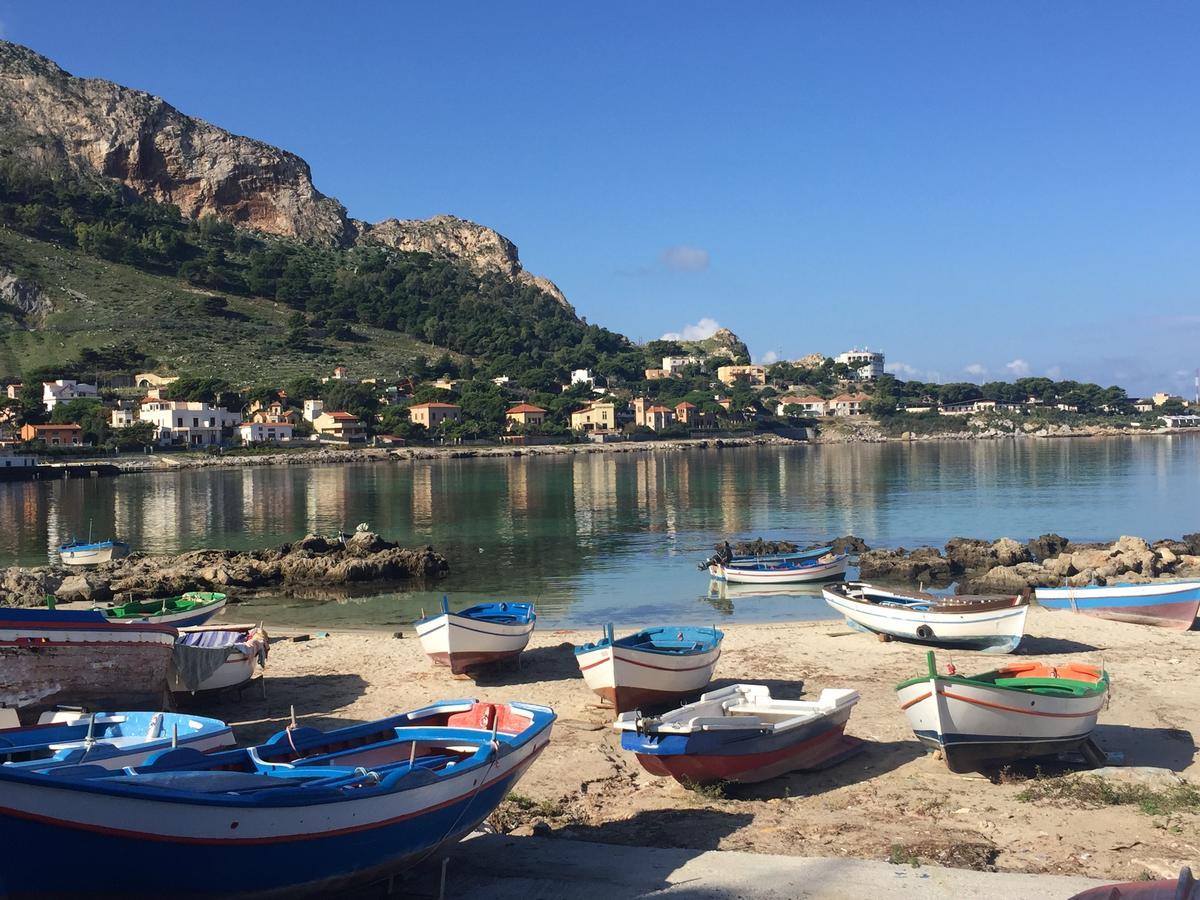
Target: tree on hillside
[{"x": 360, "y": 400}]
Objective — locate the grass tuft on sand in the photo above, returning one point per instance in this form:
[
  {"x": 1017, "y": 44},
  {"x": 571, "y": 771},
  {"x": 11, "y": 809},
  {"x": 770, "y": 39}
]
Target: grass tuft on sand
[{"x": 1092, "y": 792}]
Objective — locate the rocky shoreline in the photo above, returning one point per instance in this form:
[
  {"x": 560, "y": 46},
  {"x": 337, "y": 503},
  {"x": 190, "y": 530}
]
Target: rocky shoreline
[
  {"x": 313, "y": 560},
  {"x": 1010, "y": 566}
]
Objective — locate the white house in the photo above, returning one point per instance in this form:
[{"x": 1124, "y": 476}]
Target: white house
[
  {"x": 810, "y": 405},
  {"x": 61, "y": 391},
  {"x": 313, "y": 408},
  {"x": 188, "y": 422},
  {"x": 671, "y": 363},
  {"x": 871, "y": 360},
  {"x": 123, "y": 417},
  {"x": 265, "y": 432},
  {"x": 583, "y": 376}
]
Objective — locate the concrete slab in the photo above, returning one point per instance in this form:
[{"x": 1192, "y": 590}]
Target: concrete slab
[{"x": 498, "y": 867}]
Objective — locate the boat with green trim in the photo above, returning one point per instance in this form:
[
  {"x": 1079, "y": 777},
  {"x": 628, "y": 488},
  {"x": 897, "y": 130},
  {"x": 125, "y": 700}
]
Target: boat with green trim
[
  {"x": 1025, "y": 709},
  {"x": 191, "y": 608}
]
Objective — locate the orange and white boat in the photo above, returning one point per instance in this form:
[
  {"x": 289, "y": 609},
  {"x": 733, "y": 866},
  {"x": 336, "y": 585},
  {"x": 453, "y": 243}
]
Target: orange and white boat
[{"x": 1026, "y": 709}]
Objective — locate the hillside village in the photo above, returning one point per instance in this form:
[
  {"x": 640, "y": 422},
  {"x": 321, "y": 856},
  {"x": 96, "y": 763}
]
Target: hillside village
[{"x": 689, "y": 394}]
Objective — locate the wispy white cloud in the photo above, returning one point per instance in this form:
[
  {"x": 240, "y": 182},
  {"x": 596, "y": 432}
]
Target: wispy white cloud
[
  {"x": 902, "y": 370},
  {"x": 705, "y": 328},
  {"x": 1018, "y": 368},
  {"x": 975, "y": 370},
  {"x": 768, "y": 358},
  {"x": 684, "y": 258}
]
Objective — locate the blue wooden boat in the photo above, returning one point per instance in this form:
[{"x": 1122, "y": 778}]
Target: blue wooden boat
[
  {"x": 307, "y": 812},
  {"x": 479, "y": 635},
  {"x": 87, "y": 553},
  {"x": 113, "y": 740},
  {"x": 779, "y": 557},
  {"x": 1169, "y": 604},
  {"x": 652, "y": 666},
  {"x": 741, "y": 734}
]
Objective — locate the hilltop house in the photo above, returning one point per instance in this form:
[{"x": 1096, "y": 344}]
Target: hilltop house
[
  {"x": 66, "y": 435},
  {"x": 869, "y": 363},
  {"x": 755, "y": 376},
  {"x": 810, "y": 405},
  {"x": 13, "y": 391},
  {"x": 62, "y": 391},
  {"x": 848, "y": 405},
  {"x": 595, "y": 417},
  {"x": 657, "y": 374},
  {"x": 340, "y": 426},
  {"x": 431, "y": 415},
  {"x": 273, "y": 413},
  {"x": 188, "y": 422},
  {"x": 525, "y": 415},
  {"x": 671, "y": 363}
]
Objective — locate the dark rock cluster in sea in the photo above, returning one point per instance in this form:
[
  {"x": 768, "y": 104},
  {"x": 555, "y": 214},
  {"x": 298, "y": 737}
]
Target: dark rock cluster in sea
[
  {"x": 313, "y": 560},
  {"x": 1009, "y": 566}
]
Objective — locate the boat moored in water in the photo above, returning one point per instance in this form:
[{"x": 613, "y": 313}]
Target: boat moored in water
[
  {"x": 654, "y": 666},
  {"x": 113, "y": 740},
  {"x": 306, "y": 813},
  {"x": 478, "y": 635},
  {"x": 990, "y": 624},
  {"x": 783, "y": 571},
  {"x": 1025, "y": 709},
  {"x": 1168, "y": 604},
  {"x": 741, "y": 734},
  {"x": 87, "y": 553}
]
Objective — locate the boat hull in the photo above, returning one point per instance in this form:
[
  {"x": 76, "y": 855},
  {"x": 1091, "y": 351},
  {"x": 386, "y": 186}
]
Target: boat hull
[
  {"x": 629, "y": 679},
  {"x": 93, "y": 555},
  {"x": 1173, "y": 605},
  {"x": 781, "y": 574},
  {"x": 991, "y": 631},
  {"x": 61, "y": 659},
  {"x": 254, "y": 850},
  {"x": 978, "y": 725},
  {"x": 464, "y": 644}
]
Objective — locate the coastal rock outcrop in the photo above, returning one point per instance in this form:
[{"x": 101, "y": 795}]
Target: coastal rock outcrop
[
  {"x": 924, "y": 564},
  {"x": 363, "y": 556}
]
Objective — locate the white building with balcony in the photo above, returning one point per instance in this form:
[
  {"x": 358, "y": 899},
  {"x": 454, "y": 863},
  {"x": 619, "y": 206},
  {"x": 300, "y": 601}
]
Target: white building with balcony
[
  {"x": 188, "y": 422},
  {"x": 62, "y": 391},
  {"x": 869, "y": 362}
]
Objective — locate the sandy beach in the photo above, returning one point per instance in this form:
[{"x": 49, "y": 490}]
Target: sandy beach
[{"x": 891, "y": 802}]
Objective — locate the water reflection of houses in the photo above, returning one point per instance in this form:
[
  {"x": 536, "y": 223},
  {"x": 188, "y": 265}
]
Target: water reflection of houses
[
  {"x": 594, "y": 492},
  {"x": 422, "y": 496}
]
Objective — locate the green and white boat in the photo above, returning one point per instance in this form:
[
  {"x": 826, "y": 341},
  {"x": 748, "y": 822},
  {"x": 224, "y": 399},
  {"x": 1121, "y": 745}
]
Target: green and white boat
[{"x": 192, "y": 608}]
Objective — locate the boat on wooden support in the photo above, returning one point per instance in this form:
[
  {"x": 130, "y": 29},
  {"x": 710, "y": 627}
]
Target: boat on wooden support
[
  {"x": 652, "y": 667},
  {"x": 990, "y": 624},
  {"x": 79, "y": 658},
  {"x": 477, "y": 636},
  {"x": 784, "y": 570},
  {"x": 113, "y": 740},
  {"x": 209, "y": 658},
  {"x": 307, "y": 813},
  {"x": 741, "y": 734},
  {"x": 1168, "y": 604},
  {"x": 1025, "y": 709}
]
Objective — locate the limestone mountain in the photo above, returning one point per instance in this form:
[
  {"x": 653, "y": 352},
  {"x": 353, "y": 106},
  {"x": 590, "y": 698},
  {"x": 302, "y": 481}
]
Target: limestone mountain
[
  {"x": 721, "y": 342},
  {"x": 97, "y": 129}
]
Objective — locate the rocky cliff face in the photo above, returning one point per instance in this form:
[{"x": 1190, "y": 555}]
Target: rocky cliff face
[{"x": 95, "y": 127}]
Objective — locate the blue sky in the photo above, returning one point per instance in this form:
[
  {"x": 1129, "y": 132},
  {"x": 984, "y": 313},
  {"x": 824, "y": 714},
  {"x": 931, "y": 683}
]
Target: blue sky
[{"x": 979, "y": 190}]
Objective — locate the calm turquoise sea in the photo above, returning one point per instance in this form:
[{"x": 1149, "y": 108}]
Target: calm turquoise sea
[{"x": 618, "y": 535}]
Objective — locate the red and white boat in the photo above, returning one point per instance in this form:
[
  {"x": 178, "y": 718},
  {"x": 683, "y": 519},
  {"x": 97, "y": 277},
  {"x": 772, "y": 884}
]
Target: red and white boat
[{"x": 653, "y": 667}]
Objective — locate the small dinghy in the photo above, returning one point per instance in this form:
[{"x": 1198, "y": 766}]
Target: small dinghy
[
  {"x": 741, "y": 734},
  {"x": 1026, "y": 709},
  {"x": 782, "y": 570},
  {"x": 990, "y": 624},
  {"x": 186, "y": 610},
  {"x": 476, "y": 636},
  {"x": 214, "y": 658},
  {"x": 1168, "y": 604},
  {"x": 306, "y": 813},
  {"x": 652, "y": 667},
  {"x": 85, "y": 553},
  {"x": 109, "y": 739}
]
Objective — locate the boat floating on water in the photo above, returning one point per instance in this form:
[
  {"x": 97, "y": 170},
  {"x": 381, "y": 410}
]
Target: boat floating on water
[
  {"x": 476, "y": 636},
  {"x": 1022, "y": 710},
  {"x": 990, "y": 624},
  {"x": 213, "y": 658},
  {"x": 87, "y": 553},
  {"x": 80, "y": 658},
  {"x": 652, "y": 667},
  {"x": 306, "y": 813},
  {"x": 1169, "y": 604},
  {"x": 113, "y": 740},
  {"x": 783, "y": 570},
  {"x": 186, "y": 610},
  {"x": 742, "y": 734}
]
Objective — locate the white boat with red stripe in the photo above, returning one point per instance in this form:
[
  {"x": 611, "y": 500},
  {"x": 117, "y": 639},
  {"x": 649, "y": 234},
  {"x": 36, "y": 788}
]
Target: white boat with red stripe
[
  {"x": 653, "y": 667},
  {"x": 479, "y": 635},
  {"x": 783, "y": 570},
  {"x": 1025, "y": 709}
]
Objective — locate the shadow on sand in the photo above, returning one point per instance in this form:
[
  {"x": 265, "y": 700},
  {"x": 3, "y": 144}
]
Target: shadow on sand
[
  {"x": 1045, "y": 646},
  {"x": 874, "y": 759},
  {"x": 693, "y": 829},
  {"x": 555, "y": 663},
  {"x": 254, "y": 719},
  {"x": 1164, "y": 748}
]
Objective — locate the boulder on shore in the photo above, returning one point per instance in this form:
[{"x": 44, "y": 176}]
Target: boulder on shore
[
  {"x": 925, "y": 564},
  {"x": 362, "y": 556}
]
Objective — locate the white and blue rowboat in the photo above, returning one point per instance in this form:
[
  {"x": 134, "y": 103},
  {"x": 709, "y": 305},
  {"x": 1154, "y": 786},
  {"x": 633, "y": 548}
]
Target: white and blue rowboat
[
  {"x": 653, "y": 667},
  {"x": 80, "y": 658},
  {"x": 79, "y": 553},
  {"x": 215, "y": 658},
  {"x": 990, "y": 624},
  {"x": 779, "y": 557},
  {"x": 113, "y": 740},
  {"x": 783, "y": 571},
  {"x": 306, "y": 813},
  {"x": 476, "y": 636},
  {"x": 741, "y": 734},
  {"x": 1169, "y": 604},
  {"x": 1026, "y": 709}
]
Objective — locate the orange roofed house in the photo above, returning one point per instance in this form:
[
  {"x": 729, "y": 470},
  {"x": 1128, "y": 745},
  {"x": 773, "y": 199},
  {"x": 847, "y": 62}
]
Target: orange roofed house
[
  {"x": 340, "y": 426},
  {"x": 431, "y": 415},
  {"x": 526, "y": 415},
  {"x": 68, "y": 435}
]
